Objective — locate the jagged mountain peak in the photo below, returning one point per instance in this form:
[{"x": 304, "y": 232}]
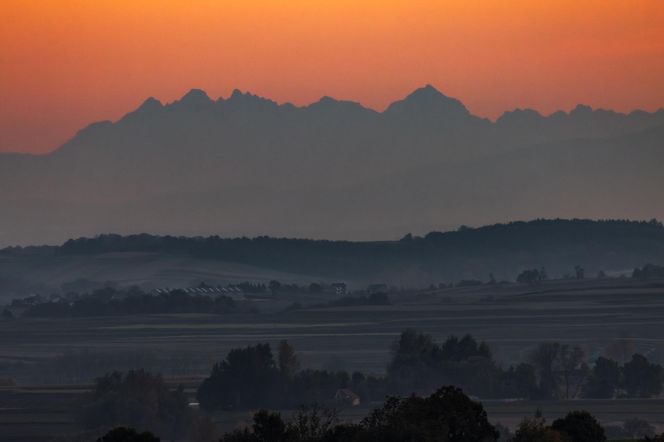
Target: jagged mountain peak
[
  {"x": 428, "y": 100},
  {"x": 520, "y": 115},
  {"x": 327, "y": 103},
  {"x": 149, "y": 106},
  {"x": 239, "y": 98},
  {"x": 581, "y": 109},
  {"x": 151, "y": 103},
  {"x": 237, "y": 93},
  {"x": 193, "y": 98},
  {"x": 242, "y": 163}
]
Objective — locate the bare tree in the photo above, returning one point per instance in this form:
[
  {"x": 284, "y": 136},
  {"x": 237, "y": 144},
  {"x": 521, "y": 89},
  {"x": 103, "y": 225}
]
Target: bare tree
[{"x": 289, "y": 362}]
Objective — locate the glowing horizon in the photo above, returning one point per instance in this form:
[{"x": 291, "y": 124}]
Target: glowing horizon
[{"x": 66, "y": 64}]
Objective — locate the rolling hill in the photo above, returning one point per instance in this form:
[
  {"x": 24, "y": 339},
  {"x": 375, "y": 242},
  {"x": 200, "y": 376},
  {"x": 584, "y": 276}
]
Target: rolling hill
[{"x": 504, "y": 250}]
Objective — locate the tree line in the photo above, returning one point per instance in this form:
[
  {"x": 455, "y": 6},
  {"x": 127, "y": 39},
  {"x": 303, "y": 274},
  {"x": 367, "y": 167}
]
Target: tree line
[
  {"x": 461, "y": 254},
  {"x": 110, "y": 302},
  {"x": 447, "y": 415},
  {"x": 254, "y": 377}
]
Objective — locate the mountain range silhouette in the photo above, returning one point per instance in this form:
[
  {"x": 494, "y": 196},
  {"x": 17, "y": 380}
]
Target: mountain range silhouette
[{"x": 246, "y": 165}]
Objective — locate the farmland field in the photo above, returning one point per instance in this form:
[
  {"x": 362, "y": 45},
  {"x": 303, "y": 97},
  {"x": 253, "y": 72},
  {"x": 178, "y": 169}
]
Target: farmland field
[{"x": 511, "y": 318}]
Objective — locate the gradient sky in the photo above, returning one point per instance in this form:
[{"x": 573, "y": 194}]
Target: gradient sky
[{"x": 66, "y": 63}]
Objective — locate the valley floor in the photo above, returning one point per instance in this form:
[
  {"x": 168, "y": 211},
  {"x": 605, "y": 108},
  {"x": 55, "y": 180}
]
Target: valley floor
[{"x": 511, "y": 319}]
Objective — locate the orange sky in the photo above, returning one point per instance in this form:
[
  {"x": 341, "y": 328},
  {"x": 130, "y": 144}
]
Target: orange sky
[{"x": 66, "y": 63}]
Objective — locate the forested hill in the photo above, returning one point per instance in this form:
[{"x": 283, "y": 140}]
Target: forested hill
[{"x": 501, "y": 249}]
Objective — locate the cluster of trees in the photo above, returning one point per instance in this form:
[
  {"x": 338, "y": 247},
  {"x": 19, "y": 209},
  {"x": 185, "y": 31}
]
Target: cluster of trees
[
  {"x": 419, "y": 364},
  {"x": 553, "y": 371},
  {"x": 124, "y": 434},
  {"x": 636, "y": 378},
  {"x": 632, "y": 429},
  {"x": 648, "y": 271},
  {"x": 532, "y": 276},
  {"x": 138, "y": 399},
  {"x": 576, "y": 426},
  {"x": 535, "y": 276},
  {"x": 110, "y": 301},
  {"x": 446, "y": 415},
  {"x": 252, "y": 377}
]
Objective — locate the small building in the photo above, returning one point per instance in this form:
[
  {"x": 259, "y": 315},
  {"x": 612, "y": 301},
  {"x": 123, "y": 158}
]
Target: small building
[{"x": 347, "y": 397}]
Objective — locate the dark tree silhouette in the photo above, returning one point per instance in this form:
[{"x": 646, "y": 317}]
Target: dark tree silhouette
[
  {"x": 534, "y": 429},
  {"x": 642, "y": 378},
  {"x": 243, "y": 380},
  {"x": 580, "y": 426},
  {"x": 604, "y": 379},
  {"x": 123, "y": 434},
  {"x": 448, "y": 415},
  {"x": 289, "y": 362},
  {"x": 138, "y": 399},
  {"x": 532, "y": 276}
]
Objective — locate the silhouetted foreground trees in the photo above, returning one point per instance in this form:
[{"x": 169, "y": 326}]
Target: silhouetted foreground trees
[
  {"x": 579, "y": 426},
  {"x": 446, "y": 415},
  {"x": 576, "y": 426},
  {"x": 254, "y": 378},
  {"x": 251, "y": 378},
  {"x": 124, "y": 434}
]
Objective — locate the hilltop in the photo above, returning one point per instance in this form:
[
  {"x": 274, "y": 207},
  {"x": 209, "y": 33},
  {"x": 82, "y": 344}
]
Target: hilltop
[{"x": 504, "y": 250}]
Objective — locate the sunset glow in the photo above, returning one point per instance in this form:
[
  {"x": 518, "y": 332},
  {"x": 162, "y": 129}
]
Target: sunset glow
[{"x": 67, "y": 63}]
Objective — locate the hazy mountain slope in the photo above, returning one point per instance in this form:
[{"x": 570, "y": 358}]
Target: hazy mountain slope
[
  {"x": 503, "y": 250},
  {"x": 247, "y": 165},
  {"x": 21, "y": 275}
]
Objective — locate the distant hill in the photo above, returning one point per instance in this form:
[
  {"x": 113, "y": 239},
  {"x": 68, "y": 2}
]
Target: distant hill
[
  {"x": 503, "y": 250},
  {"x": 245, "y": 165}
]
